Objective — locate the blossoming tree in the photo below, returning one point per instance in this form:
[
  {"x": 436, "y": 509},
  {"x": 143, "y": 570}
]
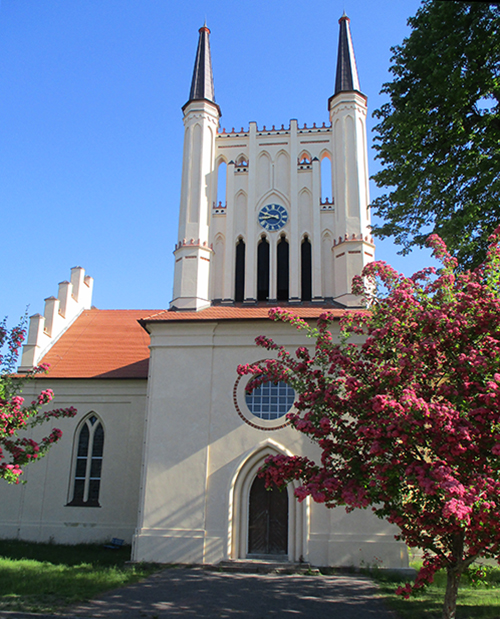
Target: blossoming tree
[
  {"x": 16, "y": 450},
  {"x": 408, "y": 421}
]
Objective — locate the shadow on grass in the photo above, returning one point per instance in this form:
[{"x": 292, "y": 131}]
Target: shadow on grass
[
  {"x": 474, "y": 601},
  {"x": 64, "y": 554},
  {"x": 46, "y": 577}
]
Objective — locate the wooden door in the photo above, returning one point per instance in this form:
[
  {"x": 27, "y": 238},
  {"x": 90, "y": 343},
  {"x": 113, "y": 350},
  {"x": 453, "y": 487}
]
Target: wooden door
[{"x": 268, "y": 520}]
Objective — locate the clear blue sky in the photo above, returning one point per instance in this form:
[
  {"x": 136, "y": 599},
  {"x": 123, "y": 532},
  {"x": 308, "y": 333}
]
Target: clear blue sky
[{"x": 91, "y": 124}]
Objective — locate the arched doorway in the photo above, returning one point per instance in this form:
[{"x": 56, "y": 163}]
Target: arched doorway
[
  {"x": 244, "y": 476},
  {"x": 267, "y": 520}
]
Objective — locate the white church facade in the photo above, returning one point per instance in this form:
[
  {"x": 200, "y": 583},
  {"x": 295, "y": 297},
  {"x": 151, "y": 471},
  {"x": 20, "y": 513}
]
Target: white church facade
[{"x": 166, "y": 446}]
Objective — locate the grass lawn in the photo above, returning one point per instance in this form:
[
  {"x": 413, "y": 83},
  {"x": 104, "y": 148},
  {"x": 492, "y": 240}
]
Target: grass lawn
[
  {"x": 48, "y": 577},
  {"x": 478, "y": 597}
]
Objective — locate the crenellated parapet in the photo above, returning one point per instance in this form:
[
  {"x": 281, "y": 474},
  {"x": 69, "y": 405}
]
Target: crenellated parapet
[
  {"x": 222, "y": 133},
  {"x": 353, "y": 238},
  {"x": 60, "y": 312}
]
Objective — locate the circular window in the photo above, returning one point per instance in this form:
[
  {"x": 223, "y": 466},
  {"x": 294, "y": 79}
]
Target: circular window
[
  {"x": 264, "y": 407},
  {"x": 270, "y": 400}
]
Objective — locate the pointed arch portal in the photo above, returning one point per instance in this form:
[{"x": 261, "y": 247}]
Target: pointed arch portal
[{"x": 265, "y": 522}]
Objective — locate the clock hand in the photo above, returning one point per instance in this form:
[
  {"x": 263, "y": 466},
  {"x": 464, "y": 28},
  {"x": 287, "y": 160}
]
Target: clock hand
[{"x": 269, "y": 216}]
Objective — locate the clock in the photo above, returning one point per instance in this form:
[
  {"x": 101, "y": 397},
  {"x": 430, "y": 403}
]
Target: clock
[{"x": 273, "y": 217}]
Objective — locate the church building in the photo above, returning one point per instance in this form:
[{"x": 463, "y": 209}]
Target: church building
[{"x": 166, "y": 446}]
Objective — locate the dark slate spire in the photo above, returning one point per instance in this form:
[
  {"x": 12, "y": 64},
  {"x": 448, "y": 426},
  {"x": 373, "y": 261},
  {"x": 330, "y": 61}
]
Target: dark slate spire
[
  {"x": 347, "y": 74},
  {"x": 202, "y": 86}
]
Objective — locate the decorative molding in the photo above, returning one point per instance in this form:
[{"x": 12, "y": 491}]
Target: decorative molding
[{"x": 249, "y": 418}]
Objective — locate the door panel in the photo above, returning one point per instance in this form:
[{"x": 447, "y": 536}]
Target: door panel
[{"x": 268, "y": 520}]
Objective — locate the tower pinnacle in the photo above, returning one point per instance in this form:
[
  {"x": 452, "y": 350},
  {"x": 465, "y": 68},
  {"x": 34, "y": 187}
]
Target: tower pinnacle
[
  {"x": 202, "y": 84},
  {"x": 347, "y": 74}
]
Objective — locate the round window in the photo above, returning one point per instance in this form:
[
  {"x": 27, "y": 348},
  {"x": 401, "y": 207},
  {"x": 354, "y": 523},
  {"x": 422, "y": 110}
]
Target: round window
[
  {"x": 270, "y": 400},
  {"x": 265, "y": 407}
]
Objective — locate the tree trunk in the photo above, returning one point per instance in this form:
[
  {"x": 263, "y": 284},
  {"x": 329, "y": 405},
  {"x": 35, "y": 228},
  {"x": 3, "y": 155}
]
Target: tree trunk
[{"x": 450, "y": 598}]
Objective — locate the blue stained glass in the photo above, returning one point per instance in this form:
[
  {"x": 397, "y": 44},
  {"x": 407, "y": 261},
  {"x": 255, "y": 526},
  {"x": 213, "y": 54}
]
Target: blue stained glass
[{"x": 270, "y": 401}]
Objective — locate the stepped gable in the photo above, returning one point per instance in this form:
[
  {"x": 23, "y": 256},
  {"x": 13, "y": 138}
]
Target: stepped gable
[{"x": 101, "y": 344}]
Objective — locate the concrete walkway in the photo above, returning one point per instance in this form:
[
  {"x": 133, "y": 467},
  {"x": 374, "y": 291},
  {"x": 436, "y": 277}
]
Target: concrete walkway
[{"x": 205, "y": 594}]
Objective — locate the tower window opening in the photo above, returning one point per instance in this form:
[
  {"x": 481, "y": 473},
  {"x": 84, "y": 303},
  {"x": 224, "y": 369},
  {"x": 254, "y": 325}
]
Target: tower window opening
[
  {"x": 263, "y": 270},
  {"x": 305, "y": 158},
  {"x": 283, "y": 270},
  {"x": 242, "y": 164},
  {"x": 221, "y": 185},
  {"x": 326, "y": 181},
  {"x": 239, "y": 274},
  {"x": 306, "y": 270}
]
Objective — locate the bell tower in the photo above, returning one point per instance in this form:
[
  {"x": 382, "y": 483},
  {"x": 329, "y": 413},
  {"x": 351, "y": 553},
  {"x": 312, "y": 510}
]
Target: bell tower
[
  {"x": 294, "y": 225},
  {"x": 193, "y": 254}
]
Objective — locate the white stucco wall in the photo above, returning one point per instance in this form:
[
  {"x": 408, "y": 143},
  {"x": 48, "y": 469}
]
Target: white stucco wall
[
  {"x": 200, "y": 457},
  {"x": 38, "y": 510}
]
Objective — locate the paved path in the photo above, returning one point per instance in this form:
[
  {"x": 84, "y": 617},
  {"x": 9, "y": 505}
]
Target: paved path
[{"x": 208, "y": 595}]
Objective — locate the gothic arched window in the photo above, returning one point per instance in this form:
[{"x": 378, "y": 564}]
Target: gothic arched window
[
  {"x": 89, "y": 444},
  {"x": 221, "y": 185},
  {"x": 239, "y": 273},
  {"x": 304, "y": 158},
  {"x": 306, "y": 270},
  {"x": 263, "y": 270},
  {"x": 283, "y": 269},
  {"x": 326, "y": 181}
]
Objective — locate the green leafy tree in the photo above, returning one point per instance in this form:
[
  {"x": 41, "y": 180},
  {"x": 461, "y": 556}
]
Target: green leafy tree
[
  {"x": 16, "y": 449},
  {"x": 439, "y": 134}
]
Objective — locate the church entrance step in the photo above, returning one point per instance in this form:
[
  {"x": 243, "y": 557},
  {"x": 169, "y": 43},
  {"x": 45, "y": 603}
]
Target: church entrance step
[{"x": 260, "y": 566}]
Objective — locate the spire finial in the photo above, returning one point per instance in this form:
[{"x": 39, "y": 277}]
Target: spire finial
[
  {"x": 202, "y": 84},
  {"x": 347, "y": 74}
]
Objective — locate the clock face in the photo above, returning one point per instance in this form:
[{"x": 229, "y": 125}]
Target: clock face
[{"x": 273, "y": 217}]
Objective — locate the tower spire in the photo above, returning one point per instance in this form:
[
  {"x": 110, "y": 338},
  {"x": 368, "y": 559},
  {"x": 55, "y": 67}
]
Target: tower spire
[
  {"x": 193, "y": 253},
  {"x": 202, "y": 84},
  {"x": 347, "y": 74}
]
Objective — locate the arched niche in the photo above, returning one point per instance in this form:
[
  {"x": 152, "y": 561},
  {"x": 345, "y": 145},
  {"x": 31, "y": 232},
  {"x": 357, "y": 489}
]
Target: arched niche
[
  {"x": 327, "y": 263},
  {"x": 263, "y": 173},
  {"x": 273, "y": 196},
  {"x": 305, "y": 203},
  {"x": 195, "y": 189},
  {"x": 217, "y": 271},
  {"x": 282, "y": 172},
  {"x": 240, "y": 213},
  {"x": 239, "y": 495}
]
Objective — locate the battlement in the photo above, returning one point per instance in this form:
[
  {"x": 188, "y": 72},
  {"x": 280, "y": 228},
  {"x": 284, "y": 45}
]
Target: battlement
[
  {"x": 60, "y": 312},
  {"x": 222, "y": 133}
]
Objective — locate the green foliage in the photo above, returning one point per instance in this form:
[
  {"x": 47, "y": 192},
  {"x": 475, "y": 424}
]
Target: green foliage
[
  {"x": 439, "y": 134},
  {"x": 47, "y": 577},
  {"x": 16, "y": 448},
  {"x": 477, "y": 600}
]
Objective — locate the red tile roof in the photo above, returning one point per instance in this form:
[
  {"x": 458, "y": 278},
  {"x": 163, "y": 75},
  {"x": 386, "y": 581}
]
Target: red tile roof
[
  {"x": 253, "y": 312},
  {"x": 101, "y": 344},
  {"x": 113, "y": 344}
]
